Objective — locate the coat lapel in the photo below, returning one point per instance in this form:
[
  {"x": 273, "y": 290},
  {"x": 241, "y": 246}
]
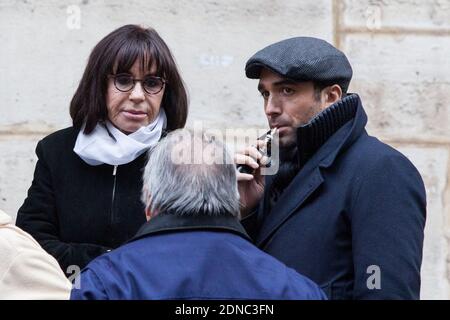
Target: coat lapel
[{"x": 301, "y": 187}]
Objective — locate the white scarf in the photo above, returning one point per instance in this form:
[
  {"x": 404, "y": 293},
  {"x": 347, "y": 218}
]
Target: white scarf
[{"x": 107, "y": 144}]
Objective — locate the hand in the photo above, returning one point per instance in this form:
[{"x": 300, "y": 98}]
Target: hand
[{"x": 250, "y": 186}]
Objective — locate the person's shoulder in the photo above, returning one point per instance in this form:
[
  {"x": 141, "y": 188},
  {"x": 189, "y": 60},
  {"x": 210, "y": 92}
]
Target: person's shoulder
[
  {"x": 296, "y": 285},
  {"x": 8, "y": 243},
  {"x": 102, "y": 266},
  {"x": 55, "y": 145},
  {"x": 371, "y": 152},
  {"x": 371, "y": 147},
  {"x": 302, "y": 287},
  {"x": 61, "y": 136},
  {"x": 14, "y": 242},
  {"x": 375, "y": 163},
  {"x": 24, "y": 264},
  {"x": 108, "y": 267},
  {"x": 112, "y": 259},
  {"x": 273, "y": 273}
]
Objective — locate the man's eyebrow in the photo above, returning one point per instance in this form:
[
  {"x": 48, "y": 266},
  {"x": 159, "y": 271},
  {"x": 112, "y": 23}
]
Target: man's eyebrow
[
  {"x": 279, "y": 83},
  {"x": 284, "y": 81}
]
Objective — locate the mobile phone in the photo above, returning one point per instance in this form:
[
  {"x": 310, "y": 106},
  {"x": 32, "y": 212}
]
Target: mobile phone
[{"x": 265, "y": 151}]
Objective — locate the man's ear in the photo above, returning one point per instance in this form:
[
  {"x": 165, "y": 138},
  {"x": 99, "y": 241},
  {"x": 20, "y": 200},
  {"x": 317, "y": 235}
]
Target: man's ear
[
  {"x": 148, "y": 213},
  {"x": 332, "y": 94},
  {"x": 147, "y": 200}
]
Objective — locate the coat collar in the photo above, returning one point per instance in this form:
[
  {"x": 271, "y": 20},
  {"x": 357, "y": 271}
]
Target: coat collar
[
  {"x": 310, "y": 177},
  {"x": 348, "y": 134},
  {"x": 166, "y": 222}
]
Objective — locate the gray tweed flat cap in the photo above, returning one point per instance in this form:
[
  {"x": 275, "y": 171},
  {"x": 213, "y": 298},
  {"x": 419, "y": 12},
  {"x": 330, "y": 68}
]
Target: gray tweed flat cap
[{"x": 302, "y": 59}]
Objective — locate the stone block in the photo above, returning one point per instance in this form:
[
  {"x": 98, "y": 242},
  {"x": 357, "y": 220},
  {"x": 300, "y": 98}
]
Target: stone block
[
  {"x": 403, "y": 81},
  {"x": 416, "y": 14}
]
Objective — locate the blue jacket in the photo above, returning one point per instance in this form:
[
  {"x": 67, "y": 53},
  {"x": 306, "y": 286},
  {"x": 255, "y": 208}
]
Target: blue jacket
[
  {"x": 175, "y": 257},
  {"x": 352, "y": 219}
]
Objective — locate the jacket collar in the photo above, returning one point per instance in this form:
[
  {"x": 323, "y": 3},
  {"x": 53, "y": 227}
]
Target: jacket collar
[
  {"x": 310, "y": 177},
  {"x": 167, "y": 222}
]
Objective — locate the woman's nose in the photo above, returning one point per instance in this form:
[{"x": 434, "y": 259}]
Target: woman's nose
[{"x": 137, "y": 93}]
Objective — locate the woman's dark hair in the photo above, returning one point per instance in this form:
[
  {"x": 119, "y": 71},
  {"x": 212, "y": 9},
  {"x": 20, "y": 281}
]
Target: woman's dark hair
[{"x": 116, "y": 53}]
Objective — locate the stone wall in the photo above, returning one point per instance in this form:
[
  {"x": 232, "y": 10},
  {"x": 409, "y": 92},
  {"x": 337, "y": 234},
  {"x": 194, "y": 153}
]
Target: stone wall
[
  {"x": 399, "y": 50},
  {"x": 400, "y": 53}
]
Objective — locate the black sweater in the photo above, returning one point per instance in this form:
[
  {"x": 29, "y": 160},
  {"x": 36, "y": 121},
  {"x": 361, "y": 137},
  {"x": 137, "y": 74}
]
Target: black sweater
[{"x": 77, "y": 211}]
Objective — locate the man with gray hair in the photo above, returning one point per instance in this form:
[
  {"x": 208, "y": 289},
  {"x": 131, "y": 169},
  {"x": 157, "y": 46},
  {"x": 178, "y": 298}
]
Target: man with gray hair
[{"x": 193, "y": 246}]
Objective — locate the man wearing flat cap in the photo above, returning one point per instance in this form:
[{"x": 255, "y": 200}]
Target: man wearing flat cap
[{"x": 344, "y": 209}]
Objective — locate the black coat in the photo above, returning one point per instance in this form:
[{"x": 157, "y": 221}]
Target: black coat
[
  {"x": 77, "y": 211},
  {"x": 355, "y": 206}
]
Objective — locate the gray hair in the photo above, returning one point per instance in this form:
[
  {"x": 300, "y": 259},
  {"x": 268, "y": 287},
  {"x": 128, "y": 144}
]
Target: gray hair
[{"x": 180, "y": 180}]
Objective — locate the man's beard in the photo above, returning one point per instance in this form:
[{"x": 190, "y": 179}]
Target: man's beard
[{"x": 291, "y": 141}]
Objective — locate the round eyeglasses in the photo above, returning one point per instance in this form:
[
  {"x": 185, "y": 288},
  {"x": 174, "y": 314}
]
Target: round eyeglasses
[{"x": 125, "y": 82}]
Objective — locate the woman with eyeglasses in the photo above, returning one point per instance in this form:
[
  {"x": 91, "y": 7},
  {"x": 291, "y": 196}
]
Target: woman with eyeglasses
[{"x": 85, "y": 196}]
